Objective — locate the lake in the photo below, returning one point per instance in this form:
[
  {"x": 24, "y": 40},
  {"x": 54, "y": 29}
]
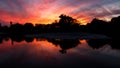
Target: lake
[{"x": 59, "y": 53}]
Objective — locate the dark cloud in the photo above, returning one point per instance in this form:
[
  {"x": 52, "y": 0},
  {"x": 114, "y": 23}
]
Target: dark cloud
[{"x": 116, "y": 11}]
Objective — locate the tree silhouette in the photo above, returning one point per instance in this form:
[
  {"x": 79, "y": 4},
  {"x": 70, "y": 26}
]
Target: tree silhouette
[
  {"x": 38, "y": 28},
  {"x": 115, "y": 20},
  {"x": 98, "y": 26},
  {"x": 16, "y": 29},
  {"x": 114, "y": 27},
  {"x": 66, "y": 20},
  {"x": 67, "y": 23},
  {"x": 28, "y": 28},
  {"x": 4, "y": 29}
]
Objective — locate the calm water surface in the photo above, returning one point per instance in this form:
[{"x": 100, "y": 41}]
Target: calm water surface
[{"x": 58, "y": 53}]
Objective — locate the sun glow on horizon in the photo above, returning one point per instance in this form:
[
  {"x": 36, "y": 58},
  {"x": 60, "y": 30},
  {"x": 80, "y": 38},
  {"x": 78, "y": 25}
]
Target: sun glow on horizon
[{"x": 47, "y": 11}]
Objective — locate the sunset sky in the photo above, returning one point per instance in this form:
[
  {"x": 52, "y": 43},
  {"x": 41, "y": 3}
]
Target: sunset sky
[{"x": 46, "y": 11}]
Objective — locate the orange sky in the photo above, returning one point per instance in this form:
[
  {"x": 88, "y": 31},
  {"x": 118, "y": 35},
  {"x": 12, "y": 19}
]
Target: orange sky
[{"x": 47, "y": 11}]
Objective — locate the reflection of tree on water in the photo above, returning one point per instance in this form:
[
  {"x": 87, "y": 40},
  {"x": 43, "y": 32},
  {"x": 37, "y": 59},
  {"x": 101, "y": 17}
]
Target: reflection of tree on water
[
  {"x": 97, "y": 43},
  {"x": 29, "y": 40},
  {"x": 115, "y": 43},
  {"x": 65, "y": 43},
  {"x": 20, "y": 39},
  {"x": 3, "y": 38},
  {"x": 16, "y": 39}
]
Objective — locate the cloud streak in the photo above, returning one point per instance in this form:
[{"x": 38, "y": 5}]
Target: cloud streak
[{"x": 46, "y": 11}]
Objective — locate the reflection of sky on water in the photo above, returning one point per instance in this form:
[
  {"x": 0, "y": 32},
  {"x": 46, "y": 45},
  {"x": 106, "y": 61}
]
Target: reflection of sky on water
[{"x": 45, "y": 53}]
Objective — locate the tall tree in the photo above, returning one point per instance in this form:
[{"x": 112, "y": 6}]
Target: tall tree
[{"x": 66, "y": 20}]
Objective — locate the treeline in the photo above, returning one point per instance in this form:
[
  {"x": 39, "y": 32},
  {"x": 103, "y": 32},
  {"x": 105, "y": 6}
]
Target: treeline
[{"x": 65, "y": 24}]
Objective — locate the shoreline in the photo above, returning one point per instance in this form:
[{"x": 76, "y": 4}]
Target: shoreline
[{"x": 68, "y": 36}]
